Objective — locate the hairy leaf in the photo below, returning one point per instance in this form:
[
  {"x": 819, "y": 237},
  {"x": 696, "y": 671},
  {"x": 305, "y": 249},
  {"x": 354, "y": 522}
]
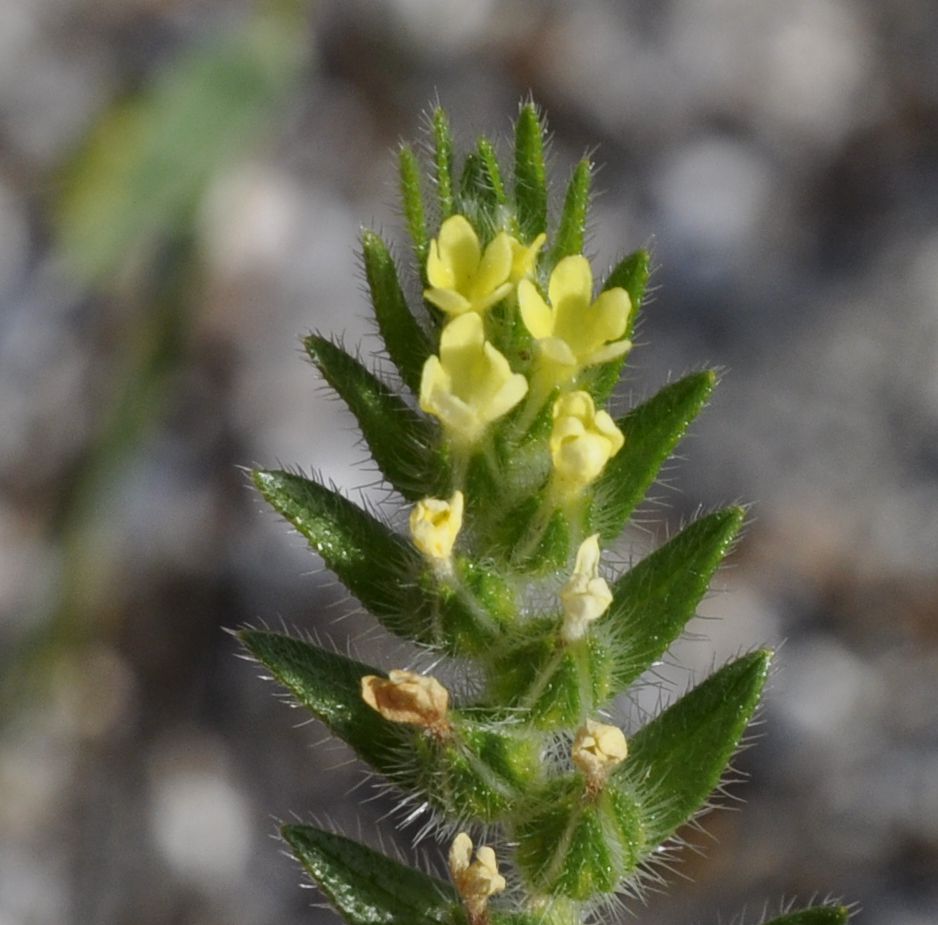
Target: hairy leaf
[
  {"x": 368, "y": 888},
  {"x": 399, "y": 439},
  {"x": 373, "y": 562},
  {"x": 819, "y": 915},
  {"x": 677, "y": 759},
  {"x": 405, "y": 340},
  {"x": 443, "y": 162},
  {"x": 329, "y": 686},
  {"x": 530, "y": 174},
  {"x": 654, "y": 600},
  {"x": 651, "y": 430},
  {"x": 412, "y": 200},
  {"x": 572, "y": 230}
]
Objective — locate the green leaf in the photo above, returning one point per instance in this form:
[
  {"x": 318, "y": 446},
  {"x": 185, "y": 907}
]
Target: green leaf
[
  {"x": 819, "y": 915},
  {"x": 630, "y": 274},
  {"x": 491, "y": 171},
  {"x": 677, "y": 759},
  {"x": 412, "y": 199},
  {"x": 443, "y": 162},
  {"x": 329, "y": 686},
  {"x": 572, "y": 229},
  {"x": 530, "y": 174},
  {"x": 384, "y": 571},
  {"x": 401, "y": 441},
  {"x": 372, "y": 561},
  {"x": 654, "y": 600},
  {"x": 368, "y": 888},
  {"x": 651, "y": 430},
  {"x": 147, "y": 163},
  {"x": 405, "y": 340}
]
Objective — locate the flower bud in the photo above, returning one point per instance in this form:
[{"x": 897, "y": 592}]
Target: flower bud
[
  {"x": 586, "y": 596},
  {"x": 582, "y": 441},
  {"x": 435, "y": 524},
  {"x": 597, "y": 749}
]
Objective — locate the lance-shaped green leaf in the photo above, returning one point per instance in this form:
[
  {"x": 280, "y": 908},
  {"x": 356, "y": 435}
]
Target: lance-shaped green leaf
[
  {"x": 443, "y": 162},
  {"x": 400, "y": 441},
  {"x": 406, "y": 342},
  {"x": 329, "y": 686},
  {"x": 491, "y": 171},
  {"x": 818, "y": 915},
  {"x": 412, "y": 200},
  {"x": 631, "y": 274},
  {"x": 368, "y": 888},
  {"x": 654, "y": 600},
  {"x": 677, "y": 759},
  {"x": 572, "y": 230},
  {"x": 530, "y": 174},
  {"x": 372, "y": 561},
  {"x": 385, "y": 572},
  {"x": 651, "y": 431}
]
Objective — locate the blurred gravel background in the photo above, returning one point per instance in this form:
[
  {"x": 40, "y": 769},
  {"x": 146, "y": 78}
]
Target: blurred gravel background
[{"x": 182, "y": 183}]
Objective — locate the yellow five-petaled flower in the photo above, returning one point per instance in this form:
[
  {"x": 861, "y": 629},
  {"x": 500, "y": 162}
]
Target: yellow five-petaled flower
[
  {"x": 581, "y": 442},
  {"x": 470, "y": 383},
  {"x": 573, "y": 331},
  {"x": 464, "y": 278}
]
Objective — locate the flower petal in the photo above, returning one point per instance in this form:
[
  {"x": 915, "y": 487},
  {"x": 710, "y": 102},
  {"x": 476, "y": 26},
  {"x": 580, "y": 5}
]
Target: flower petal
[
  {"x": 494, "y": 268},
  {"x": 459, "y": 250},
  {"x": 607, "y": 353},
  {"x": 535, "y": 312},
  {"x": 493, "y": 298},
  {"x": 448, "y": 300},
  {"x": 571, "y": 284},
  {"x": 610, "y": 315},
  {"x": 556, "y": 350},
  {"x": 507, "y": 397},
  {"x": 439, "y": 272}
]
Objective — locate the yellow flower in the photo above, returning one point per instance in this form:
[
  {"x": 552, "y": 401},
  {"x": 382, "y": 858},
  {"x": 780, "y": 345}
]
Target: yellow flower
[
  {"x": 476, "y": 880},
  {"x": 470, "y": 383},
  {"x": 435, "y": 524},
  {"x": 597, "y": 749},
  {"x": 406, "y": 697},
  {"x": 586, "y": 596},
  {"x": 523, "y": 259},
  {"x": 582, "y": 441},
  {"x": 574, "y": 331},
  {"x": 462, "y": 278}
]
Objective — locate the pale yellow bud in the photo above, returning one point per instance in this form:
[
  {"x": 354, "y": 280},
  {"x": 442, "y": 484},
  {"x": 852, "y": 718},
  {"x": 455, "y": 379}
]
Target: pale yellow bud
[
  {"x": 435, "y": 524},
  {"x": 476, "y": 880},
  {"x": 406, "y": 697},
  {"x": 597, "y": 749},
  {"x": 582, "y": 441},
  {"x": 586, "y": 596}
]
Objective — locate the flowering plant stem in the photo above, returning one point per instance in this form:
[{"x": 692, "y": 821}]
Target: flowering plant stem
[{"x": 518, "y": 480}]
